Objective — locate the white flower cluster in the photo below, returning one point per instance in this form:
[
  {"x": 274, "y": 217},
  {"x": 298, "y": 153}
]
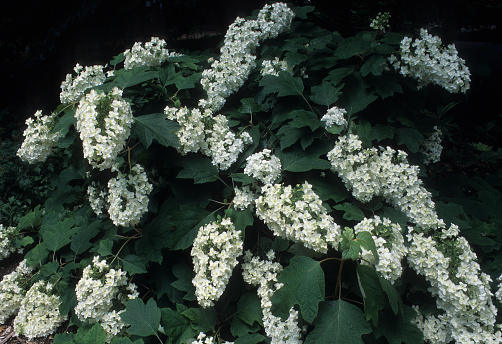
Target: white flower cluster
[
  {"x": 273, "y": 67},
  {"x": 428, "y": 61},
  {"x": 203, "y": 339},
  {"x": 298, "y": 214},
  {"x": 215, "y": 252},
  {"x": 102, "y": 293},
  {"x": 370, "y": 172},
  {"x": 38, "y": 315},
  {"x": 334, "y": 115},
  {"x": 498, "y": 293},
  {"x": 72, "y": 89},
  {"x": 211, "y": 135},
  {"x": 432, "y": 148},
  {"x": 7, "y": 234},
  {"x": 236, "y": 62},
  {"x": 128, "y": 196},
  {"x": 13, "y": 287},
  {"x": 381, "y": 21},
  {"x": 38, "y": 138},
  {"x": 469, "y": 314},
  {"x": 263, "y": 273},
  {"x": 389, "y": 243},
  {"x": 104, "y": 122},
  {"x": 243, "y": 198},
  {"x": 151, "y": 55},
  {"x": 97, "y": 198},
  {"x": 264, "y": 166}
]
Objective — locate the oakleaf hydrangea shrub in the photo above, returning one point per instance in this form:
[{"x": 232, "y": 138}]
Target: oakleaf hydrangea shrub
[{"x": 254, "y": 194}]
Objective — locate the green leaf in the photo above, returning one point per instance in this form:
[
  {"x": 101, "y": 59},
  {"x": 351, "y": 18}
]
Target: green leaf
[
  {"x": 385, "y": 85},
  {"x": 249, "y": 308},
  {"x": 250, "y": 338},
  {"x": 80, "y": 242},
  {"x": 356, "y": 96},
  {"x": 365, "y": 239},
  {"x": 249, "y": 106},
  {"x": 239, "y": 328},
  {"x": 302, "y": 161},
  {"x": 94, "y": 335},
  {"x": 105, "y": 247},
  {"x": 303, "y": 118},
  {"x": 326, "y": 94},
  {"x": 156, "y": 126},
  {"x": 301, "y": 12},
  {"x": 64, "y": 338},
  {"x": 336, "y": 75},
  {"x": 202, "y": 319},
  {"x": 289, "y": 135},
  {"x": 293, "y": 58},
  {"x": 126, "y": 340},
  {"x": 399, "y": 329},
  {"x": 284, "y": 85},
  {"x": 143, "y": 318},
  {"x": 58, "y": 235},
  {"x": 187, "y": 221},
  {"x": 373, "y": 65},
  {"x": 351, "y": 211},
  {"x": 198, "y": 168},
  {"x": 130, "y": 77},
  {"x": 65, "y": 122},
  {"x": 37, "y": 255},
  {"x": 338, "y": 322},
  {"x": 176, "y": 326},
  {"x": 372, "y": 292},
  {"x": 409, "y": 137},
  {"x": 154, "y": 238},
  {"x": 394, "y": 298},
  {"x": 134, "y": 264},
  {"x": 117, "y": 59},
  {"x": 184, "y": 275},
  {"x": 303, "y": 285},
  {"x": 31, "y": 219}
]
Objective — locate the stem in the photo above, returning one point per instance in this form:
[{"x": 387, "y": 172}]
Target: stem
[{"x": 339, "y": 280}]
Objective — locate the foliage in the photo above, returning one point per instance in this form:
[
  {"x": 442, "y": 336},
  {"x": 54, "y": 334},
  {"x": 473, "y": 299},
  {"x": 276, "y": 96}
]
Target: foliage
[{"x": 333, "y": 294}]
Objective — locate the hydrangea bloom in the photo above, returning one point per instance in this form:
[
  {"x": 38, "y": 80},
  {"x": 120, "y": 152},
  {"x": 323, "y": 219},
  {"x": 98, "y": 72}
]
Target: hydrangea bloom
[
  {"x": 102, "y": 293},
  {"x": 128, "y": 196},
  {"x": 273, "y": 67},
  {"x": 7, "y": 235},
  {"x": 72, "y": 89},
  {"x": 243, "y": 198},
  {"x": 236, "y": 62},
  {"x": 38, "y": 138},
  {"x": 13, "y": 287},
  {"x": 104, "y": 123},
  {"x": 209, "y": 134},
  {"x": 389, "y": 243},
  {"x": 428, "y": 61},
  {"x": 264, "y": 166},
  {"x": 263, "y": 273},
  {"x": 381, "y": 21},
  {"x": 203, "y": 339},
  {"x": 431, "y": 147},
  {"x": 97, "y": 198},
  {"x": 334, "y": 115},
  {"x": 298, "y": 214},
  {"x": 38, "y": 315},
  {"x": 215, "y": 252},
  {"x": 152, "y": 54}
]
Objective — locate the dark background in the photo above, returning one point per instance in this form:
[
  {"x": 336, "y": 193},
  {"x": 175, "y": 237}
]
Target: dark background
[{"x": 41, "y": 41}]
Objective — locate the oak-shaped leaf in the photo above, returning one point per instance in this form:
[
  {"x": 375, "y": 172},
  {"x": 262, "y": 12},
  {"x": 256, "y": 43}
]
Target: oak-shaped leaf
[
  {"x": 143, "y": 318},
  {"x": 303, "y": 285},
  {"x": 156, "y": 126}
]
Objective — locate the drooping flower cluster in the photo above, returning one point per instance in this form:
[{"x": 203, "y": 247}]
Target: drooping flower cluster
[
  {"x": 381, "y": 21},
  {"x": 104, "y": 123},
  {"x": 102, "y": 293},
  {"x": 432, "y": 147},
  {"x": 263, "y": 166},
  {"x": 39, "y": 139},
  {"x": 7, "y": 236},
  {"x": 151, "y": 55},
  {"x": 389, "y": 243},
  {"x": 38, "y": 314},
  {"x": 215, "y": 252},
  {"x": 128, "y": 196},
  {"x": 428, "y": 61},
  {"x": 98, "y": 196},
  {"x": 334, "y": 115},
  {"x": 263, "y": 273},
  {"x": 273, "y": 67},
  {"x": 243, "y": 198},
  {"x": 13, "y": 288},
  {"x": 462, "y": 290},
  {"x": 236, "y": 62},
  {"x": 209, "y": 134},
  {"x": 203, "y": 339},
  {"x": 498, "y": 293},
  {"x": 298, "y": 214},
  {"x": 370, "y": 172},
  {"x": 72, "y": 89}
]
